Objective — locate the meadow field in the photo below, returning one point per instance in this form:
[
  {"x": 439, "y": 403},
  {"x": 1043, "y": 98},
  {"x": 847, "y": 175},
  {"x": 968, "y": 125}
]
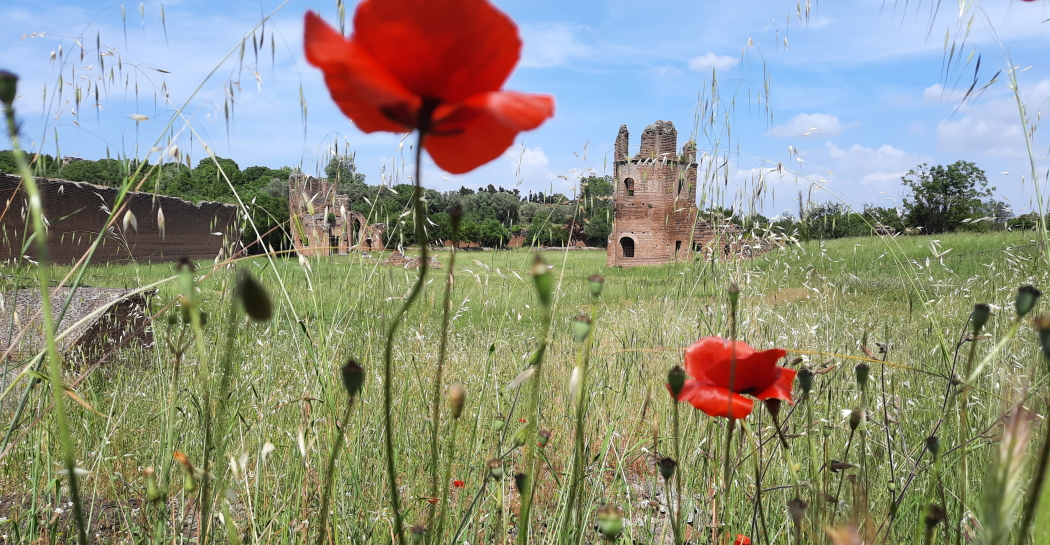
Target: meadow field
[{"x": 270, "y": 393}]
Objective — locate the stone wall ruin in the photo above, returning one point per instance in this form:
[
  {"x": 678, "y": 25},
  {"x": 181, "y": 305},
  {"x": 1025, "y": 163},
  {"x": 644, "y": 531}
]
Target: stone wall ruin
[{"x": 322, "y": 222}]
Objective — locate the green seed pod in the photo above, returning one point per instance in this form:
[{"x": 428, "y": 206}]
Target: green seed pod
[
  {"x": 734, "y": 294},
  {"x": 353, "y": 377},
  {"x": 498, "y": 423},
  {"x": 933, "y": 444},
  {"x": 1027, "y": 297},
  {"x": 797, "y": 509},
  {"x": 676, "y": 381},
  {"x": 544, "y": 438},
  {"x": 595, "y": 283},
  {"x": 456, "y": 397},
  {"x": 934, "y": 515},
  {"x": 581, "y": 327},
  {"x": 1042, "y": 327},
  {"x": 773, "y": 406},
  {"x": 805, "y": 380},
  {"x": 981, "y": 312},
  {"x": 8, "y": 87},
  {"x": 862, "y": 370},
  {"x": 521, "y": 483},
  {"x": 544, "y": 280},
  {"x": 855, "y": 417},
  {"x": 495, "y": 467},
  {"x": 610, "y": 522},
  {"x": 418, "y": 533},
  {"x": 153, "y": 491},
  {"x": 254, "y": 297},
  {"x": 521, "y": 436},
  {"x": 667, "y": 467}
]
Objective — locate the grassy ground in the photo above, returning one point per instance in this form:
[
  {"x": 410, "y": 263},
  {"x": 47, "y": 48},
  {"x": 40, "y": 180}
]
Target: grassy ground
[{"x": 819, "y": 301}]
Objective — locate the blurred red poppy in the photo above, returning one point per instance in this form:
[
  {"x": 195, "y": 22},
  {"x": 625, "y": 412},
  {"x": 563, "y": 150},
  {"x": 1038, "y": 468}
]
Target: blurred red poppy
[
  {"x": 436, "y": 66},
  {"x": 714, "y": 391},
  {"x": 741, "y": 539},
  {"x": 457, "y": 484}
]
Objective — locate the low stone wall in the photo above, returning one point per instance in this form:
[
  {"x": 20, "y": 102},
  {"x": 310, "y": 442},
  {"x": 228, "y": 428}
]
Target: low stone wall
[{"x": 77, "y": 211}]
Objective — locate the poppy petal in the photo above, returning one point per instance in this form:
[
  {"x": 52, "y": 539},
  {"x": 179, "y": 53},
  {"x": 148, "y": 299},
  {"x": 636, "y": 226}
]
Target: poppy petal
[
  {"x": 781, "y": 386},
  {"x": 476, "y": 131},
  {"x": 715, "y": 401},
  {"x": 364, "y": 90},
  {"x": 688, "y": 388},
  {"x": 448, "y": 51},
  {"x": 711, "y": 359}
]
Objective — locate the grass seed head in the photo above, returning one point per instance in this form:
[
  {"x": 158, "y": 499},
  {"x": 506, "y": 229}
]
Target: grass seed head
[
  {"x": 1027, "y": 297},
  {"x": 353, "y": 377},
  {"x": 456, "y": 398}
]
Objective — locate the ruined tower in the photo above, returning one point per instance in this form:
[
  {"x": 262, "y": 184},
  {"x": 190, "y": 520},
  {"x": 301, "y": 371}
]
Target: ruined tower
[{"x": 655, "y": 199}]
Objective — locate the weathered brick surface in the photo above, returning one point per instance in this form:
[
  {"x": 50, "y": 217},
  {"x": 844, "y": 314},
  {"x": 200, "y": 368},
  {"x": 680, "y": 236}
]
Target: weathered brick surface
[
  {"x": 310, "y": 202},
  {"x": 77, "y": 211},
  {"x": 655, "y": 200}
]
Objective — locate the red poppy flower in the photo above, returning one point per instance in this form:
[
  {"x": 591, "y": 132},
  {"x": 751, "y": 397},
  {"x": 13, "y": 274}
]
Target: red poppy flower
[
  {"x": 457, "y": 484},
  {"x": 741, "y": 539},
  {"x": 713, "y": 391},
  {"x": 436, "y": 66}
]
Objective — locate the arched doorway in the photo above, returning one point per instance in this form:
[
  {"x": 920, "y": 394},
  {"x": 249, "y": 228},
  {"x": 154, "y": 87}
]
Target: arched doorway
[{"x": 627, "y": 246}]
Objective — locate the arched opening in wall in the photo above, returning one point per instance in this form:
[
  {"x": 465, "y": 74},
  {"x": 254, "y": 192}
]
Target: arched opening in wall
[
  {"x": 628, "y": 186},
  {"x": 677, "y": 248},
  {"x": 368, "y": 243},
  {"x": 681, "y": 185},
  {"x": 355, "y": 233},
  {"x": 627, "y": 246}
]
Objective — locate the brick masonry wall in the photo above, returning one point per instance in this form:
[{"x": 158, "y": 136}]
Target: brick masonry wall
[
  {"x": 77, "y": 211},
  {"x": 660, "y": 218},
  {"x": 313, "y": 235}
]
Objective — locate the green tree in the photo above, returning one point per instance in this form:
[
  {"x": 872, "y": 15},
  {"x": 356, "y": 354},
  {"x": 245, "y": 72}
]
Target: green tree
[
  {"x": 943, "y": 196},
  {"x": 342, "y": 170}
]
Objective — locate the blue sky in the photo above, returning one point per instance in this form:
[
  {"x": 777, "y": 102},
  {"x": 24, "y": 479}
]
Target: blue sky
[{"x": 857, "y": 91}]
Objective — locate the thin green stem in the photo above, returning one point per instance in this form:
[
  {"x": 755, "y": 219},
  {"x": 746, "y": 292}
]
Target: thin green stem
[
  {"x": 443, "y": 511},
  {"x": 388, "y": 350},
  {"x": 329, "y": 473},
  {"x": 530, "y": 443},
  {"x": 36, "y": 212}
]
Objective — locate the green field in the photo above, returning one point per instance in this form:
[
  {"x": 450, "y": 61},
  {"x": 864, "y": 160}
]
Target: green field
[{"x": 819, "y": 301}]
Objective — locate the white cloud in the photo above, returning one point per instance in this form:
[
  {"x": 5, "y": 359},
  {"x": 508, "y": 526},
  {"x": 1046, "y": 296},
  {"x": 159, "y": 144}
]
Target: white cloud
[
  {"x": 822, "y": 125},
  {"x": 552, "y": 44},
  {"x": 709, "y": 60},
  {"x": 878, "y": 167},
  {"x": 933, "y": 94},
  {"x": 917, "y": 127},
  {"x": 530, "y": 169}
]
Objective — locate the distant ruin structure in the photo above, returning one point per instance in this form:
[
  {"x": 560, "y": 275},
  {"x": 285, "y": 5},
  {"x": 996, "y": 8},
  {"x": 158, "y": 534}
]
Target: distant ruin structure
[
  {"x": 76, "y": 212},
  {"x": 655, "y": 213},
  {"x": 322, "y": 222}
]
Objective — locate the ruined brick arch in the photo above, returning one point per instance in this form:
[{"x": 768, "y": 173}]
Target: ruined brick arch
[{"x": 627, "y": 247}]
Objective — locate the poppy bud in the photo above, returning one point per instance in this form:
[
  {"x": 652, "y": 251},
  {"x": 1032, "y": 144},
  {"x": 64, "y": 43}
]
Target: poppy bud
[
  {"x": 520, "y": 436},
  {"x": 353, "y": 377},
  {"x": 8, "y": 87},
  {"x": 581, "y": 327},
  {"x": 734, "y": 293},
  {"x": 498, "y": 423},
  {"x": 667, "y": 467},
  {"x": 797, "y": 509},
  {"x": 933, "y": 444},
  {"x": 676, "y": 381},
  {"x": 544, "y": 280},
  {"x": 805, "y": 380},
  {"x": 545, "y": 437},
  {"x": 495, "y": 466},
  {"x": 153, "y": 492},
  {"x": 254, "y": 298},
  {"x": 980, "y": 315},
  {"x": 189, "y": 481},
  {"x": 854, "y": 418},
  {"x": 456, "y": 397},
  {"x": 595, "y": 283},
  {"x": 861, "y": 370},
  {"x": 934, "y": 515},
  {"x": 773, "y": 406},
  {"x": 457, "y": 216},
  {"x": 521, "y": 482},
  {"x": 418, "y": 532},
  {"x": 1027, "y": 297},
  {"x": 610, "y": 522},
  {"x": 1042, "y": 327}
]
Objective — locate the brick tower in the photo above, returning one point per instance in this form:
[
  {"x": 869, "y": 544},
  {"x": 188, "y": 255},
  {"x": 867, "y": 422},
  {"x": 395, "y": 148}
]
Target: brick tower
[{"x": 655, "y": 199}]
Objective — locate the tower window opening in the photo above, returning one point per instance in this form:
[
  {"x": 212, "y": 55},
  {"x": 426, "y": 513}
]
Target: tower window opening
[
  {"x": 628, "y": 185},
  {"x": 627, "y": 245}
]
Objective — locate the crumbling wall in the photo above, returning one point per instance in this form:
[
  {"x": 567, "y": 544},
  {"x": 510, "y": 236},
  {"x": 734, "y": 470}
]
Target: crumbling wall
[
  {"x": 322, "y": 222},
  {"x": 76, "y": 212}
]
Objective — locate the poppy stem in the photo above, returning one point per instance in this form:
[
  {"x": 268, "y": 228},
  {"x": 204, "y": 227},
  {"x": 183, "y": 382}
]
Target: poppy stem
[
  {"x": 329, "y": 473},
  {"x": 443, "y": 509},
  {"x": 388, "y": 351},
  {"x": 676, "y": 519}
]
